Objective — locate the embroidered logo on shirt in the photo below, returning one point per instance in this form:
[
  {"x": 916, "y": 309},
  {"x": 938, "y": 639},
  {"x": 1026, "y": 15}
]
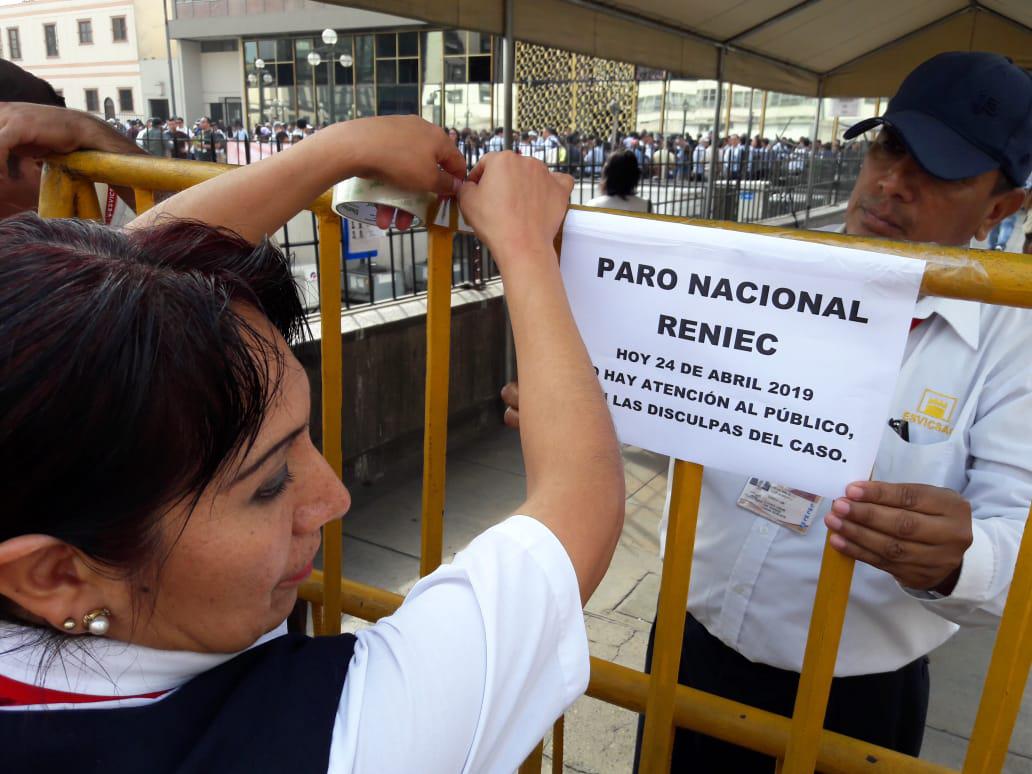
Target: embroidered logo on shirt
[
  {"x": 937, "y": 406},
  {"x": 934, "y": 411}
]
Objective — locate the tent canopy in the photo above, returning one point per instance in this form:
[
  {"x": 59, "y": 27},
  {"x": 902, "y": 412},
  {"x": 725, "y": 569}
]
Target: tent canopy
[{"x": 852, "y": 48}]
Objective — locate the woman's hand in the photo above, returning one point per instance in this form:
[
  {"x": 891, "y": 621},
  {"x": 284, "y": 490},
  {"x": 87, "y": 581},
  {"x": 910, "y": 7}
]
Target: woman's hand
[
  {"x": 405, "y": 151},
  {"x": 514, "y": 203},
  {"x": 424, "y": 159}
]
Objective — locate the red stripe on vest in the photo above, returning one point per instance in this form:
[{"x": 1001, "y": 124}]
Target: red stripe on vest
[
  {"x": 915, "y": 322},
  {"x": 15, "y": 694}
]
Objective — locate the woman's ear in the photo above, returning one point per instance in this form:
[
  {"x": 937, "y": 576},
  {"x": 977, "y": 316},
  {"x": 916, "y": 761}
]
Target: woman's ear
[{"x": 46, "y": 578}]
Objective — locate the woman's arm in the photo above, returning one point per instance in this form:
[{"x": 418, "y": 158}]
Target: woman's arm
[
  {"x": 575, "y": 482},
  {"x": 257, "y": 199}
]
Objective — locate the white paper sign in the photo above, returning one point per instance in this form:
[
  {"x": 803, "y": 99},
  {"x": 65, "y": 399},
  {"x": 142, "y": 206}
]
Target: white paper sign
[{"x": 773, "y": 358}]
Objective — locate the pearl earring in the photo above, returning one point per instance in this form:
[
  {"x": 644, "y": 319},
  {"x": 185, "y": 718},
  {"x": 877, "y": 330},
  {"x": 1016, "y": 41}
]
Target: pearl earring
[
  {"x": 69, "y": 624},
  {"x": 97, "y": 622}
]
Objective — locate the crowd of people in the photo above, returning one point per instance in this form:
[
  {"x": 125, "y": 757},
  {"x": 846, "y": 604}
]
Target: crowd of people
[
  {"x": 680, "y": 157},
  {"x": 669, "y": 157},
  {"x": 205, "y": 139}
]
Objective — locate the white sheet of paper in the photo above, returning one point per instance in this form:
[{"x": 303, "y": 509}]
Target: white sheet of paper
[
  {"x": 797, "y": 397},
  {"x": 443, "y": 216}
]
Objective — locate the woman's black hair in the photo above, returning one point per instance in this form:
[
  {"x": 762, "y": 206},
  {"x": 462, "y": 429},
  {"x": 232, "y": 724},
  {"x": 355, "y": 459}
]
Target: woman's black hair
[
  {"x": 620, "y": 174},
  {"x": 128, "y": 377}
]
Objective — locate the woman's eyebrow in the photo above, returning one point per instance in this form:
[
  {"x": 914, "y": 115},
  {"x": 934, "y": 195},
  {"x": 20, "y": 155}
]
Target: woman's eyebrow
[{"x": 284, "y": 441}]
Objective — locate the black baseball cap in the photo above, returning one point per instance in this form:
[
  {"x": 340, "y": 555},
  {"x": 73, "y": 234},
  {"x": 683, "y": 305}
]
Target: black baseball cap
[{"x": 961, "y": 114}]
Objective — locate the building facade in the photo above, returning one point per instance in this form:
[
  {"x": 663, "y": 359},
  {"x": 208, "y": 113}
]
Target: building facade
[
  {"x": 266, "y": 60},
  {"x": 86, "y": 49}
]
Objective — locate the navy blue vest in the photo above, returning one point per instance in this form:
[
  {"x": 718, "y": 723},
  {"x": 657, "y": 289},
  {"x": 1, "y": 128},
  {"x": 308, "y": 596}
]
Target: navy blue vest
[{"x": 270, "y": 709}]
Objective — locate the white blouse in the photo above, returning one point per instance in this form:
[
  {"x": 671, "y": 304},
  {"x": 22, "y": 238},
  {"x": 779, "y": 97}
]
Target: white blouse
[{"x": 467, "y": 676}]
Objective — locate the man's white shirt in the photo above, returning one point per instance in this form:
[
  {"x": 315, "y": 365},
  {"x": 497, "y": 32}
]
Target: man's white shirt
[{"x": 965, "y": 387}]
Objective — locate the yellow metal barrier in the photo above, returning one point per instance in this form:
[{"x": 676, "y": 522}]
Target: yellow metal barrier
[{"x": 800, "y": 743}]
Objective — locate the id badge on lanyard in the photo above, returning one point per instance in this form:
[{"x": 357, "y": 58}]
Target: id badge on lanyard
[{"x": 790, "y": 508}]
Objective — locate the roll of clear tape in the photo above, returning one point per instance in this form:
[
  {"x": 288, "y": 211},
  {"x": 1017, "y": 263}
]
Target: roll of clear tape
[{"x": 357, "y": 199}]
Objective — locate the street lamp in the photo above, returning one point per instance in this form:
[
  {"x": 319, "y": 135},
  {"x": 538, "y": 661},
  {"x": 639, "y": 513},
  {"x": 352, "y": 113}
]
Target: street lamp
[
  {"x": 261, "y": 79},
  {"x": 315, "y": 58}
]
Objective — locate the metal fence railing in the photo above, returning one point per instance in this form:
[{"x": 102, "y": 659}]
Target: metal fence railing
[
  {"x": 799, "y": 742},
  {"x": 393, "y": 265}
]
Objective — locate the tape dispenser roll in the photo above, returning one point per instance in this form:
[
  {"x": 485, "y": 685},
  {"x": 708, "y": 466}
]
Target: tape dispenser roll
[{"x": 357, "y": 198}]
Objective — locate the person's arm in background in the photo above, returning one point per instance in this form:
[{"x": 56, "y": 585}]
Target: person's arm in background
[
  {"x": 257, "y": 199},
  {"x": 29, "y": 131},
  {"x": 575, "y": 482}
]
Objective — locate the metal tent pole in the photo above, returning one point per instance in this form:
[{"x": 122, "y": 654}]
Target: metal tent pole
[
  {"x": 508, "y": 72},
  {"x": 711, "y": 205},
  {"x": 168, "y": 53},
  {"x": 813, "y": 152}
]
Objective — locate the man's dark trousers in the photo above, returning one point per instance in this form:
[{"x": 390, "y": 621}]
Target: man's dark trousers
[{"x": 887, "y": 709}]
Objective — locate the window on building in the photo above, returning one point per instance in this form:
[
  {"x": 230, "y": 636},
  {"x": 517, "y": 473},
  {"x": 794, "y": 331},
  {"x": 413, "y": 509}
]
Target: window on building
[
  {"x": 92, "y": 100},
  {"x": 13, "y": 43},
  {"x": 50, "y": 39},
  {"x": 119, "y": 32},
  {"x": 125, "y": 100},
  {"x": 85, "y": 32},
  {"x": 158, "y": 108},
  {"x": 218, "y": 46},
  {"x": 397, "y": 73},
  {"x": 467, "y": 57}
]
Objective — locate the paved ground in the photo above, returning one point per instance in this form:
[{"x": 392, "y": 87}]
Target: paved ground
[{"x": 485, "y": 483}]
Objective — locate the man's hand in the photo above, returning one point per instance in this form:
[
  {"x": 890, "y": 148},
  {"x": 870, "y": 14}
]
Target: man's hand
[
  {"x": 915, "y": 532},
  {"x": 39, "y": 130}
]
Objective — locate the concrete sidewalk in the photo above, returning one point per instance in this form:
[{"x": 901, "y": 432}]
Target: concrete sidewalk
[{"x": 486, "y": 484}]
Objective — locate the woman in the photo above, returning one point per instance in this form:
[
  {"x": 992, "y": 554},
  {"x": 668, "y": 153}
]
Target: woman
[
  {"x": 163, "y": 499},
  {"x": 620, "y": 176}
]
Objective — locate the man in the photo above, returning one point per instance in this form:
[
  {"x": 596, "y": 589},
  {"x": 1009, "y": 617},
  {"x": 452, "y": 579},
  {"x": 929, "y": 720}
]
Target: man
[
  {"x": 758, "y": 159},
  {"x": 664, "y": 160},
  {"x": 702, "y": 158},
  {"x": 209, "y": 142},
  {"x": 936, "y": 546},
  {"x": 280, "y": 135},
  {"x": 497, "y": 142},
  {"x": 29, "y": 107},
  {"x": 180, "y": 138},
  {"x": 936, "y": 531},
  {"x": 155, "y": 139},
  {"x": 799, "y": 157},
  {"x": 595, "y": 157},
  {"x": 551, "y": 148},
  {"x": 731, "y": 157}
]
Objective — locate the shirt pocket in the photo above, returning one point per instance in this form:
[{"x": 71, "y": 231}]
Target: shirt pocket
[{"x": 943, "y": 463}]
